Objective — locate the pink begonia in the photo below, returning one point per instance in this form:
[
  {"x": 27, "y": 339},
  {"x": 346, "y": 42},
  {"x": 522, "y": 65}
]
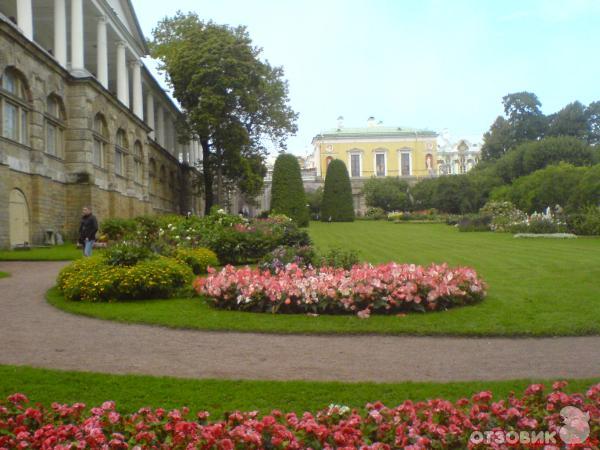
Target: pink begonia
[
  {"x": 363, "y": 290},
  {"x": 435, "y": 423}
]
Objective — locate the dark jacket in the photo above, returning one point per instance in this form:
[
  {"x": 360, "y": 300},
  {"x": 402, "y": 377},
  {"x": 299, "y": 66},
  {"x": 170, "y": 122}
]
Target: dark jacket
[{"x": 88, "y": 228}]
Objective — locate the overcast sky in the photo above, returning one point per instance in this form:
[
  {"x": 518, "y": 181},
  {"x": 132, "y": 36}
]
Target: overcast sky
[{"x": 423, "y": 63}]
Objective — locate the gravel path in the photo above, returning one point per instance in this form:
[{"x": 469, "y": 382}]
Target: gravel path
[{"x": 36, "y": 334}]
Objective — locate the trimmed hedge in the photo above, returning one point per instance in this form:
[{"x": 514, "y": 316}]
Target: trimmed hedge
[
  {"x": 337, "y": 196},
  {"x": 287, "y": 193}
]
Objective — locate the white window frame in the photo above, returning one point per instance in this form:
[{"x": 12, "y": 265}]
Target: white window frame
[
  {"x": 385, "y": 163},
  {"x": 410, "y": 162},
  {"x": 360, "y": 163},
  {"x": 54, "y": 119},
  {"x": 15, "y": 97}
]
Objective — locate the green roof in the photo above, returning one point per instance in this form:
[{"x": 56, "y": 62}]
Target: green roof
[{"x": 376, "y": 131}]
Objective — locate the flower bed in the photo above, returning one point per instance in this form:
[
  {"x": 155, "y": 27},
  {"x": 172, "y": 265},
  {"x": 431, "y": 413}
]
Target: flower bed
[
  {"x": 436, "y": 423},
  {"x": 364, "y": 289}
]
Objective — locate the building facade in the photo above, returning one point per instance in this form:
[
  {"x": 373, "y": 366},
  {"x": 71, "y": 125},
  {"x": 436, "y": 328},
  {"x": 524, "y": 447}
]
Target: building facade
[
  {"x": 456, "y": 157},
  {"x": 376, "y": 151},
  {"x": 83, "y": 122}
]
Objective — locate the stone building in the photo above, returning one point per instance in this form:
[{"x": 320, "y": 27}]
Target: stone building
[
  {"x": 82, "y": 121},
  {"x": 376, "y": 151},
  {"x": 456, "y": 157}
]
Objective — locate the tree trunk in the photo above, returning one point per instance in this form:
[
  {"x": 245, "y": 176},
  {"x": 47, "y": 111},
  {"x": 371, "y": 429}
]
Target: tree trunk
[
  {"x": 208, "y": 176},
  {"x": 219, "y": 173}
]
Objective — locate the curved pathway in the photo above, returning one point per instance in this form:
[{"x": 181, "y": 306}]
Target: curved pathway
[{"x": 35, "y": 333}]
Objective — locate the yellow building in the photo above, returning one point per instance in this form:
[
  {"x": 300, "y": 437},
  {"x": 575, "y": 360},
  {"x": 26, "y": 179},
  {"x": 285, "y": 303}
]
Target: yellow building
[{"x": 377, "y": 151}]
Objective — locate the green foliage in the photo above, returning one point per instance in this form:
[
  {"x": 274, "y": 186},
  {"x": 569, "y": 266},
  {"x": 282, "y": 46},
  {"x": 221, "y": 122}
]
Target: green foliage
[
  {"x": 375, "y": 213},
  {"x": 498, "y": 140},
  {"x": 337, "y": 203},
  {"x": 116, "y": 229},
  {"x": 315, "y": 199},
  {"x": 475, "y": 222},
  {"x": 586, "y": 223},
  {"x": 569, "y": 121},
  {"x": 287, "y": 192},
  {"x": 503, "y": 215},
  {"x": 389, "y": 193},
  {"x": 303, "y": 256},
  {"x": 587, "y": 192},
  {"x": 127, "y": 253},
  {"x": 198, "y": 259},
  {"x": 94, "y": 280},
  {"x": 233, "y": 101},
  {"x": 339, "y": 257},
  {"x": 551, "y": 186}
]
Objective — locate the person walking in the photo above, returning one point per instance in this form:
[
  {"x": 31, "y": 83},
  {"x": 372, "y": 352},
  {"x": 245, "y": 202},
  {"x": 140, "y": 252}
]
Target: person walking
[{"x": 87, "y": 231}]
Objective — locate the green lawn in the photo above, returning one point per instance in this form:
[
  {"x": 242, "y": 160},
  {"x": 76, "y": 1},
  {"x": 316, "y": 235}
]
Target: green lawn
[
  {"x": 65, "y": 252},
  {"x": 4, "y": 274},
  {"x": 537, "y": 287},
  {"x": 219, "y": 396}
]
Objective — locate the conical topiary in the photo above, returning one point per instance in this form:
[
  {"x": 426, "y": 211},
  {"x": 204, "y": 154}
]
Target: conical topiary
[
  {"x": 337, "y": 203},
  {"x": 287, "y": 191}
]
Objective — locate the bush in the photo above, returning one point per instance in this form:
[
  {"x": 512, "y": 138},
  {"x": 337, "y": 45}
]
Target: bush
[
  {"x": 374, "y": 213},
  {"x": 94, "y": 280},
  {"x": 587, "y": 191},
  {"x": 287, "y": 193},
  {"x": 547, "y": 222},
  {"x": 389, "y": 193},
  {"x": 302, "y": 256},
  {"x": 337, "y": 203},
  {"x": 127, "y": 254},
  {"x": 586, "y": 223},
  {"x": 339, "y": 258},
  {"x": 116, "y": 229},
  {"x": 362, "y": 290},
  {"x": 198, "y": 259},
  {"x": 475, "y": 222},
  {"x": 504, "y": 215}
]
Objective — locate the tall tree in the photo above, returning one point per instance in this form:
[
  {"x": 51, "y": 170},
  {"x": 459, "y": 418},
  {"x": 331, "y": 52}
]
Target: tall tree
[
  {"x": 592, "y": 113},
  {"x": 569, "y": 121},
  {"x": 337, "y": 203},
  {"x": 233, "y": 102},
  {"x": 498, "y": 140},
  {"x": 287, "y": 191},
  {"x": 524, "y": 115}
]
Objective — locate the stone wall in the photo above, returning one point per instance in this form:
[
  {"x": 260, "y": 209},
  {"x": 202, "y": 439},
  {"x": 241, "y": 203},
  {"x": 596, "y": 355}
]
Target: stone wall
[{"x": 57, "y": 187}]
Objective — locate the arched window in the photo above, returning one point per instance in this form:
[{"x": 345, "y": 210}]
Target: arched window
[
  {"x": 162, "y": 174},
  {"x": 121, "y": 150},
  {"x": 14, "y": 106},
  {"x": 100, "y": 140},
  {"x": 137, "y": 162},
  {"x": 55, "y": 125}
]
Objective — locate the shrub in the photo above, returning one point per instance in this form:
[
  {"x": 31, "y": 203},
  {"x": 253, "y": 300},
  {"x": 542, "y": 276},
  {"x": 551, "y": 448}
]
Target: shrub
[
  {"x": 198, "y": 259},
  {"x": 337, "y": 203},
  {"x": 587, "y": 191},
  {"x": 94, "y": 280},
  {"x": 362, "y": 290},
  {"x": 302, "y": 256},
  {"x": 541, "y": 223},
  {"x": 388, "y": 193},
  {"x": 586, "y": 223},
  {"x": 315, "y": 200},
  {"x": 287, "y": 193},
  {"x": 504, "y": 215},
  {"x": 375, "y": 213},
  {"x": 433, "y": 424},
  {"x": 339, "y": 258},
  {"x": 127, "y": 254},
  {"x": 116, "y": 229},
  {"x": 475, "y": 222}
]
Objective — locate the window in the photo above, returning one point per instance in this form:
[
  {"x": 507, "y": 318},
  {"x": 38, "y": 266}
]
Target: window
[
  {"x": 14, "y": 107},
  {"x": 121, "y": 149},
  {"x": 405, "y": 166},
  {"x": 380, "y": 169},
  {"x": 100, "y": 140},
  {"x": 355, "y": 164},
  {"x": 137, "y": 162},
  {"x": 54, "y": 119}
]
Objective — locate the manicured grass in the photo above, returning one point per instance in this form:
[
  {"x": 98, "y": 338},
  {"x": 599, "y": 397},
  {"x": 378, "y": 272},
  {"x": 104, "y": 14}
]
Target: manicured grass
[
  {"x": 132, "y": 392},
  {"x": 65, "y": 252},
  {"x": 4, "y": 274},
  {"x": 537, "y": 287}
]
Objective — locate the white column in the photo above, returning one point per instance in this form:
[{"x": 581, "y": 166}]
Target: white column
[
  {"x": 122, "y": 78},
  {"x": 138, "y": 102},
  {"x": 77, "y": 49},
  {"x": 60, "y": 32},
  {"x": 25, "y": 17},
  {"x": 102, "y": 51},
  {"x": 160, "y": 126},
  {"x": 150, "y": 114}
]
